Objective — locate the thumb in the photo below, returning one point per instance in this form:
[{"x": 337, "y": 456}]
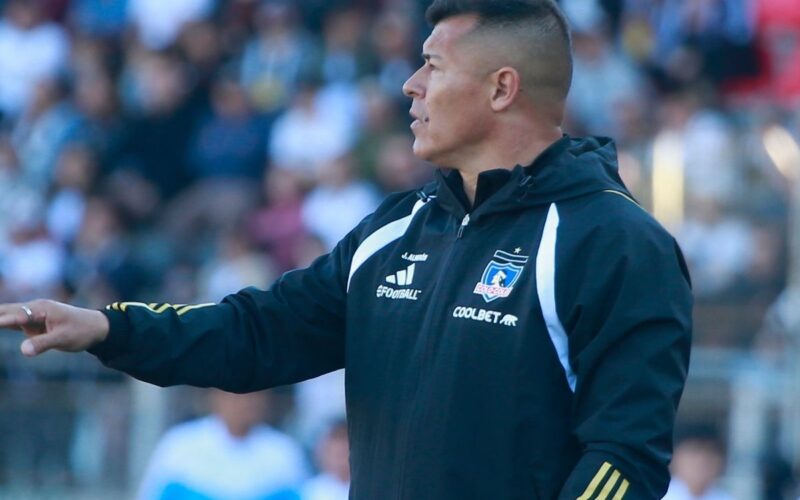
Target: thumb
[{"x": 39, "y": 344}]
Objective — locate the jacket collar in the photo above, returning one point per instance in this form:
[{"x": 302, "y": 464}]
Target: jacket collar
[{"x": 568, "y": 168}]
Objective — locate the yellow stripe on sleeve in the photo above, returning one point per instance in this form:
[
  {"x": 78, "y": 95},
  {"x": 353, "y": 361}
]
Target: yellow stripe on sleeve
[
  {"x": 186, "y": 309},
  {"x": 609, "y": 486},
  {"x": 587, "y": 494},
  {"x": 157, "y": 308},
  {"x": 623, "y": 488},
  {"x": 124, "y": 306}
]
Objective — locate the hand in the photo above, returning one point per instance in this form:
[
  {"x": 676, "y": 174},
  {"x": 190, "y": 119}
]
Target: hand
[{"x": 52, "y": 325}]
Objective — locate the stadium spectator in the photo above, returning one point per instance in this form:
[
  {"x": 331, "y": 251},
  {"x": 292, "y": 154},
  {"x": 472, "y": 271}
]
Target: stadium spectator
[
  {"x": 332, "y": 457},
  {"x": 100, "y": 265},
  {"x": 604, "y": 80},
  {"x": 234, "y": 265},
  {"x": 278, "y": 224},
  {"x": 704, "y": 38},
  {"x": 229, "y": 455},
  {"x": 339, "y": 201},
  {"x": 33, "y": 263},
  {"x": 308, "y": 135},
  {"x": 26, "y": 37},
  {"x": 47, "y": 125},
  {"x": 158, "y": 23},
  {"x": 719, "y": 248},
  {"x": 697, "y": 466},
  {"x": 393, "y": 39},
  {"x": 344, "y": 58},
  {"x": 100, "y": 18},
  {"x": 103, "y": 124},
  {"x": 21, "y": 201},
  {"x": 202, "y": 45},
  {"x": 396, "y": 167},
  {"x": 281, "y": 55},
  {"x": 75, "y": 175},
  {"x": 159, "y": 137},
  {"x": 318, "y": 402},
  {"x": 230, "y": 141},
  {"x": 380, "y": 121}
]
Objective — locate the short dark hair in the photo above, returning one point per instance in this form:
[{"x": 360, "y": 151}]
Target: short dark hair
[
  {"x": 498, "y": 11},
  {"x": 545, "y": 27}
]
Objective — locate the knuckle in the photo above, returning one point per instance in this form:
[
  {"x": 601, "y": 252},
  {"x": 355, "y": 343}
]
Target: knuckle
[{"x": 38, "y": 304}]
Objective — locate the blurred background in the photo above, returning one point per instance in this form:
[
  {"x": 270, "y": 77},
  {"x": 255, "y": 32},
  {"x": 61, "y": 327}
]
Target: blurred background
[{"x": 177, "y": 151}]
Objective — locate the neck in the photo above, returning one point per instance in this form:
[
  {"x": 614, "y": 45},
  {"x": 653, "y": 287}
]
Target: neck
[
  {"x": 520, "y": 149},
  {"x": 238, "y": 431}
]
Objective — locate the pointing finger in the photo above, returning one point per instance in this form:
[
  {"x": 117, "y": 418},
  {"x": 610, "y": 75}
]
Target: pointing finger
[{"x": 15, "y": 315}]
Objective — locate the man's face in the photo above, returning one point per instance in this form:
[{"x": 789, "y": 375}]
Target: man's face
[
  {"x": 450, "y": 96},
  {"x": 240, "y": 412}
]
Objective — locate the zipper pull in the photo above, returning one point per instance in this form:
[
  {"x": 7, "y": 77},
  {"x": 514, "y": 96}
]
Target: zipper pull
[{"x": 464, "y": 224}]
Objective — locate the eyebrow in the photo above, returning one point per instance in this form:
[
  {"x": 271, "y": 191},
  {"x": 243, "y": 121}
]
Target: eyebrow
[{"x": 428, "y": 57}]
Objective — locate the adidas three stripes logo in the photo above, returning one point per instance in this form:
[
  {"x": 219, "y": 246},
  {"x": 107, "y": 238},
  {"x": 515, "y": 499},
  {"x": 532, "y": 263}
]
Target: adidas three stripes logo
[{"x": 608, "y": 484}]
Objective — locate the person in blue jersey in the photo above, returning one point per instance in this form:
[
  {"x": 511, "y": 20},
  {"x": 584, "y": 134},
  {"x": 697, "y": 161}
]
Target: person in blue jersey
[
  {"x": 230, "y": 454},
  {"x": 517, "y": 329}
]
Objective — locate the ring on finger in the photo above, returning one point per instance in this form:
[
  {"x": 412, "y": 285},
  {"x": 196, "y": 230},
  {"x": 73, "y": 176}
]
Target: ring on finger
[{"x": 28, "y": 313}]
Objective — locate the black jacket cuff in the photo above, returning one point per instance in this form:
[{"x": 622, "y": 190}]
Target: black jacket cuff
[
  {"x": 598, "y": 475},
  {"x": 116, "y": 342}
]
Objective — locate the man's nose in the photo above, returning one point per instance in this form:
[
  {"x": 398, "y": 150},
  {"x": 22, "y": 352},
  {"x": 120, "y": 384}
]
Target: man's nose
[{"x": 413, "y": 87}]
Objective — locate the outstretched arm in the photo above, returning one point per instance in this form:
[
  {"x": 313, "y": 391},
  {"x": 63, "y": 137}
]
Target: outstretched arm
[{"x": 252, "y": 340}]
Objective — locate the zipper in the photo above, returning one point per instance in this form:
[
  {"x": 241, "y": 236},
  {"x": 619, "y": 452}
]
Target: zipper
[
  {"x": 426, "y": 366},
  {"x": 464, "y": 224}
]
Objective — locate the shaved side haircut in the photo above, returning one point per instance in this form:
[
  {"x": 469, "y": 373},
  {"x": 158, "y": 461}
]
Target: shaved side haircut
[{"x": 532, "y": 36}]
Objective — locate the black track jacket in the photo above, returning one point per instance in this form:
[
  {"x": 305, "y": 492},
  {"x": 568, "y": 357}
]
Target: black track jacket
[{"x": 535, "y": 348}]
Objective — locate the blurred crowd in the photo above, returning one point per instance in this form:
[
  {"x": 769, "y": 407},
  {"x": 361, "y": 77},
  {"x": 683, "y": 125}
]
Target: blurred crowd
[{"x": 177, "y": 151}]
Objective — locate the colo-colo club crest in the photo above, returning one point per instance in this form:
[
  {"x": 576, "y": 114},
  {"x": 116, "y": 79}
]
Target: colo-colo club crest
[{"x": 500, "y": 275}]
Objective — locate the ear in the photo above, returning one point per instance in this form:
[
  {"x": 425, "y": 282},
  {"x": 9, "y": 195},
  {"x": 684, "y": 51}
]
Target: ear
[{"x": 506, "y": 83}]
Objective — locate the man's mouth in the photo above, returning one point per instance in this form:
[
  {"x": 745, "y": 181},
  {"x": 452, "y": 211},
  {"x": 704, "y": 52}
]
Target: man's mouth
[{"x": 419, "y": 120}]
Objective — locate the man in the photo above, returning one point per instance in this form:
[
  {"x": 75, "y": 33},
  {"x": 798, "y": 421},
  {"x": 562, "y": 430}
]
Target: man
[
  {"x": 332, "y": 456},
  {"x": 698, "y": 464},
  {"x": 560, "y": 380},
  {"x": 229, "y": 454}
]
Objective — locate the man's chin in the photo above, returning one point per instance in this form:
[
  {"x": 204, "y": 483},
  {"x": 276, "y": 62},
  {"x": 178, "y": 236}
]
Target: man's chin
[{"x": 421, "y": 152}]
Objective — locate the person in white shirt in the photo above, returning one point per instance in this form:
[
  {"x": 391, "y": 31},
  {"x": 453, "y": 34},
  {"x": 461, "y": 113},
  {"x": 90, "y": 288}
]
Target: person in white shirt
[
  {"x": 338, "y": 202},
  {"x": 159, "y": 23},
  {"x": 697, "y": 465},
  {"x": 230, "y": 455},
  {"x": 332, "y": 453},
  {"x": 31, "y": 50}
]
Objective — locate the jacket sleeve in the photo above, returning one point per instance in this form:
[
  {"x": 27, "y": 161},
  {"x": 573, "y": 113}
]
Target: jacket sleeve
[
  {"x": 252, "y": 340},
  {"x": 625, "y": 300}
]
